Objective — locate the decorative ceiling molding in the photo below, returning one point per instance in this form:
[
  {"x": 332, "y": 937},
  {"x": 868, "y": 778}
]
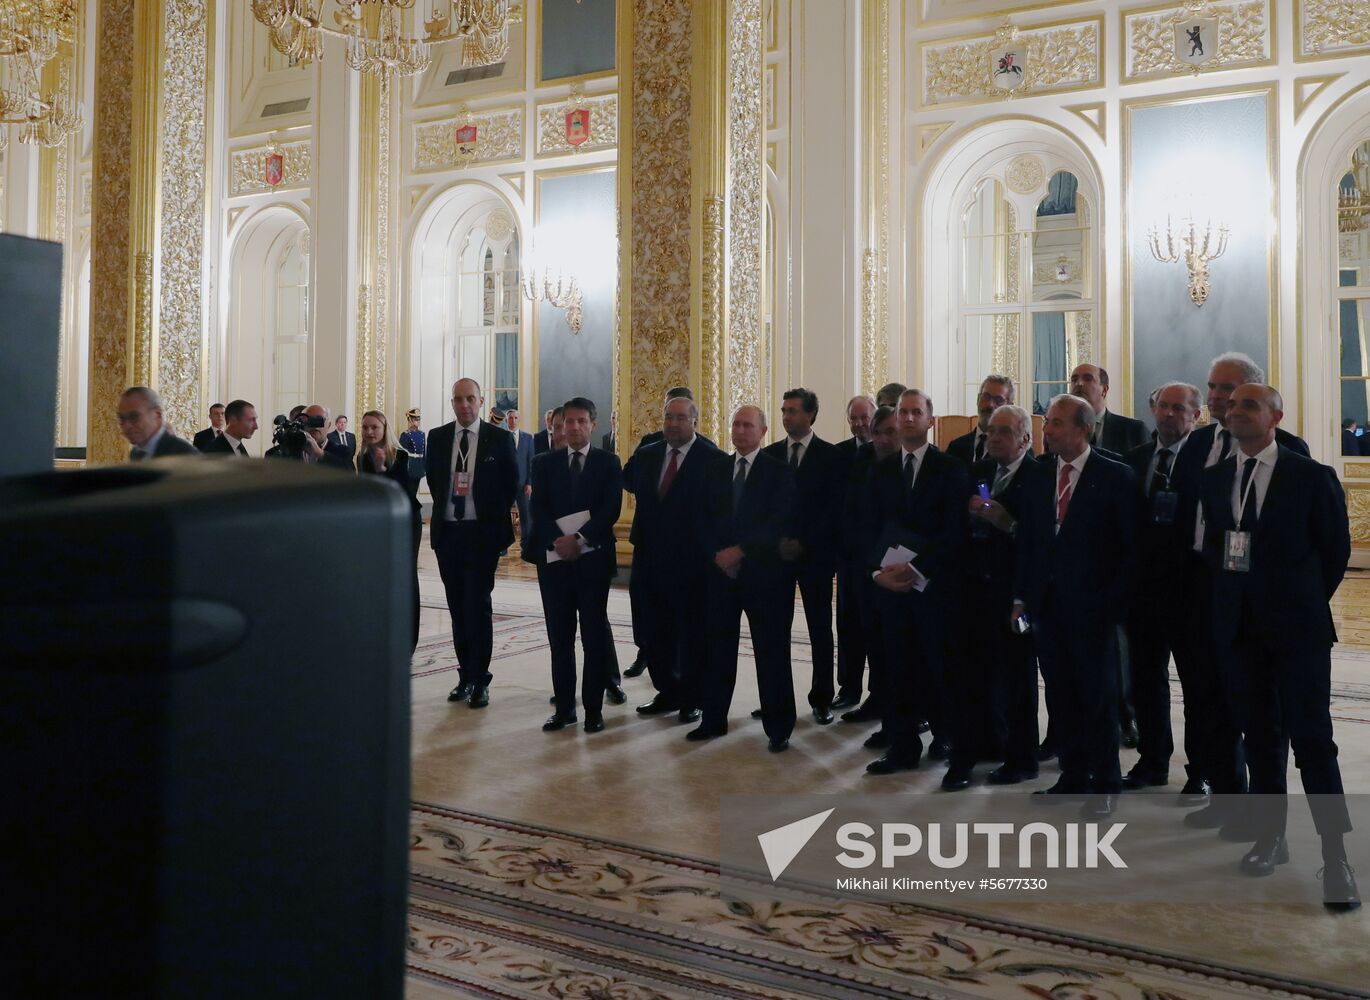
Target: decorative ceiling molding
[
  {"x": 1061, "y": 57},
  {"x": 247, "y": 168},
  {"x": 1245, "y": 38},
  {"x": 515, "y": 181},
  {"x": 499, "y": 137},
  {"x": 928, "y": 134},
  {"x": 946, "y": 11},
  {"x": 416, "y": 194},
  {"x": 551, "y": 118},
  {"x": 1308, "y": 89},
  {"x": 1095, "y": 114},
  {"x": 1327, "y": 29},
  {"x": 1026, "y": 174},
  {"x": 234, "y": 214}
]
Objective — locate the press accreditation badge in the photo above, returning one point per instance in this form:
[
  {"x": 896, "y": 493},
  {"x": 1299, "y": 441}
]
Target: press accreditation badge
[
  {"x": 1165, "y": 506},
  {"x": 1237, "y": 551},
  {"x": 463, "y": 484}
]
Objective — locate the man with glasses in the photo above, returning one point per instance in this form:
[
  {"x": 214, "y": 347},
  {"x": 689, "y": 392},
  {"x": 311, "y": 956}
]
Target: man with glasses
[{"x": 142, "y": 425}]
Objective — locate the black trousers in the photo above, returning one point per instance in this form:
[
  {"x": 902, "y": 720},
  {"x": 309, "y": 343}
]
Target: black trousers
[
  {"x": 910, "y": 687},
  {"x": 851, "y": 635},
  {"x": 1280, "y": 696},
  {"x": 574, "y": 593},
  {"x": 869, "y": 608},
  {"x": 1208, "y": 711},
  {"x": 467, "y": 562},
  {"x": 815, "y": 591},
  {"x": 768, "y": 603},
  {"x": 1079, "y": 661},
  {"x": 992, "y": 703},
  {"x": 672, "y": 610}
]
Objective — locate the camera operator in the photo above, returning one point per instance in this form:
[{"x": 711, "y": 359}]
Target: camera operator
[{"x": 306, "y": 439}]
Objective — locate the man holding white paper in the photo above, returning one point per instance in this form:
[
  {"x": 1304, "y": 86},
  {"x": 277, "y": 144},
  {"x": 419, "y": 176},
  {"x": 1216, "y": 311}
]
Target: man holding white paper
[{"x": 577, "y": 496}]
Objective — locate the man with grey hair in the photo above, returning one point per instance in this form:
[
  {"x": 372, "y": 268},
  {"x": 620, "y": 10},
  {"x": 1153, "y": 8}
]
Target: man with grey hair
[
  {"x": 143, "y": 426},
  {"x": 1160, "y": 622},
  {"x": 1076, "y": 563},
  {"x": 851, "y": 638},
  {"x": 995, "y": 391}
]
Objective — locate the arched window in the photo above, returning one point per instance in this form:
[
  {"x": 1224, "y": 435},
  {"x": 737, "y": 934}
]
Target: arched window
[
  {"x": 1027, "y": 297},
  {"x": 487, "y": 306},
  {"x": 1353, "y": 292},
  {"x": 292, "y": 325}
]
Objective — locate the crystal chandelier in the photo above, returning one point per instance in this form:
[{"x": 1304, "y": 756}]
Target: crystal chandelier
[
  {"x": 32, "y": 32},
  {"x": 374, "y": 32}
]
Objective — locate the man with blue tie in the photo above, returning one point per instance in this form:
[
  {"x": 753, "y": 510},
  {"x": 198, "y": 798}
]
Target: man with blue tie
[
  {"x": 576, "y": 562},
  {"x": 1278, "y": 540},
  {"x": 1077, "y": 555}
]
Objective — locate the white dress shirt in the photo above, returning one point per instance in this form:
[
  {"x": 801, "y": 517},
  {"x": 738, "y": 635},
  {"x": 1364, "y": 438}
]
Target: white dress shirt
[
  {"x": 803, "y": 443},
  {"x": 1012, "y": 468},
  {"x": 751, "y": 463},
  {"x": 584, "y": 454},
  {"x": 1260, "y": 479},
  {"x": 233, "y": 442},
  {"x": 1174, "y": 450},
  {"x": 684, "y": 450},
  {"x": 918, "y": 455},
  {"x": 1077, "y": 467},
  {"x": 1215, "y": 451},
  {"x": 471, "y": 445}
]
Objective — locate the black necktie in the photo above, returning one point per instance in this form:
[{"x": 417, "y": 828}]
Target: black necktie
[
  {"x": 979, "y": 446},
  {"x": 1160, "y": 479},
  {"x": 1248, "y": 508},
  {"x": 241, "y": 450},
  {"x": 910, "y": 464},
  {"x": 1000, "y": 481},
  {"x": 1226, "y": 438},
  {"x": 137, "y": 455},
  {"x": 794, "y": 455},
  {"x": 463, "y": 452},
  {"x": 575, "y": 474},
  {"x": 739, "y": 482}
]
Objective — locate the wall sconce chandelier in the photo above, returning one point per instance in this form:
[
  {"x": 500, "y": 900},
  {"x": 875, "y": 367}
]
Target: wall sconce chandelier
[
  {"x": 565, "y": 294},
  {"x": 375, "y": 35},
  {"x": 1195, "y": 249},
  {"x": 32, "y": 32}
]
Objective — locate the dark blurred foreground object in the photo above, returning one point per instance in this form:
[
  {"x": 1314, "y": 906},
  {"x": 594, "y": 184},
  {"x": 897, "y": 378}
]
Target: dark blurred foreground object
[
  {"x": 205, "y": 752},
  {"x": 30, "y": 327}
]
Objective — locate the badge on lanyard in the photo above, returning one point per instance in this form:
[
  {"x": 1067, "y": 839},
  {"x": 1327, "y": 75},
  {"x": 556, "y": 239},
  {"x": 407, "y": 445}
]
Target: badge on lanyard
[
  {"x": 461, "y": 486},
  {"x": 1237, "y": 551},
  {"x": 1165, "y": 505}
]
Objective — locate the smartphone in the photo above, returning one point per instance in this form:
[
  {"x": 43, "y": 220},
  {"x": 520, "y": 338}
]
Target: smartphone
[{"x": 983, "y": 490}]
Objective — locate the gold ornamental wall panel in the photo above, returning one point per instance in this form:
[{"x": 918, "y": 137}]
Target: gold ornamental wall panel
[
  {"x": 1358, "y": 510},
  {"x": 247, "y": 169},
  {"x": 748, "y": 356},
  {"x": 1326, "y": 29},
  {"x": 1246, "y": 37},
  {"x": 551, "y": 119},
  {"x": 499, "y": 138},
  {"x": 1062, "y": 57}
]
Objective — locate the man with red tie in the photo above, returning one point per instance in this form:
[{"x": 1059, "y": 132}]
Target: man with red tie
[{"x": 1077, "y": 557}]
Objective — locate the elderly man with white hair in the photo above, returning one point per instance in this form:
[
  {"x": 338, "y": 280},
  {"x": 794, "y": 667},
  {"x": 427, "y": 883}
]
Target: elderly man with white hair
[{"x": 143, "y": 426}]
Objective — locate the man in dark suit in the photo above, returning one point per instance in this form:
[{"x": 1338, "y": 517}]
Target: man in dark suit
[
  {"x": 523, "y": 455},
  {"x": 576, "y": 561},
  {"x": 851, "y": 641},
  {"x": 1160, "y": 623},
  {"x": 671, "y": 559},
  {"x": 1351, "y": 444},
  {"x": 995, "y": 391},
  {"x": 142, "y": 425},
  {"x": 811, "y": 553},
  {"x": 473, "y": 476},
  {"x": 1112, "y": 432},
  {"x": 751, "y": 506},
  {"x": 204, "y": 438},
  {"x": 341, "y": 437},
  {"x": 240, "y": 423},
  {"x": 994, "y": 688},
  {"x": 1077, "y": 555},
  {"x": 542, "y": 440},
  {"x": 918, "y": 502},
  {"x": 1278, "y": 541},
  {"x": 610, "y": 440}
]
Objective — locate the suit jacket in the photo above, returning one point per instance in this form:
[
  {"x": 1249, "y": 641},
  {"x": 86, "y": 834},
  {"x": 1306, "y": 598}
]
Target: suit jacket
[
  {"x": 820, "y": 490},
  {"x": 857, "y": 537},
  {"x": 493, "y": 488},
  {"x": 542, "y": 442},
  {"x": 931, "y": 520},
  {"x": 608, "y": 442},
  {"x": 1164, "y": 549},
  {"x": 669, "y": 533},
  {"x": 1350, "y": 444},
  {"x": 220, "y": 446},
  {"x": 203, "y": 439},
  {"x": 600, "y": 491},
  {"x": 170, "y": 445},
  {"x": 991, "y": 554},
  {"x": 346, "y": 440},
  {"x": 1203, "y": 437},
  {"x": 766, "y": 514},
  {"x": 1091, "y": 563},
  {"x": 1299, "y": 552},
  {"x": 1120, "y": 434},
  {"x": 963, "y": 449},
  {"x": 523, "y": 455},
  {"x": 652, "y": 438}
]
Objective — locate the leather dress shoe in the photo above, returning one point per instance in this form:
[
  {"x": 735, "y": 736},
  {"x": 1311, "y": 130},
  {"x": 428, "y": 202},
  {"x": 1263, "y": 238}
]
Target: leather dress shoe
[
  {"x": 1339, "y": 892},
  {"x": 1005, "y": 775},
  {"x": 923, "y": 726},
  {"x": 689, "y": 715},
  {"x": 1264, "y": 855},
  {"x": 956, "y": 779},
  {"x": 659, "y": 705},
  {"x": 1127, "y": 734},
  {"x": 594, "y": 723},
  {"x": 822, "y": 716},
  {"x": 1195, "y": 792},
  {"x": 615, "y": 695},
  {"x": 552, "y": 700},
  {"x": 480, "y": 696},
  {"x": 940, "y": 750},
  {"x": 866, "y": 713},
  {"x": 1045, "y": 752},
  {"x": 638, "y": 668},
  {"x": 1099, "y": 806},
  {"x": 890, "y": 763},
  {"x": 845, "y": 700},
  {"x": 756, "y": 713},
  {"x": 877, "y": 741},
  {"x": 779, "y": 745},
  {"x": 705, "y": 733},
  {"x": 1210, "y": 817},
  {"x": 461, "y": 692},
  {"x": 558, "y": 721},
  {"x": 1059, "y": 792},
  {"x": 1137, "y": 779}
]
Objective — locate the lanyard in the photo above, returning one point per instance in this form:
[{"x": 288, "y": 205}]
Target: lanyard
[{"x": 1250, "y": 486}]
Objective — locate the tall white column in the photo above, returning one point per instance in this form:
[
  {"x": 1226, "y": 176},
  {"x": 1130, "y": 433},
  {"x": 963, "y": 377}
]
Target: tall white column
[{"x": 20, "y": 211}]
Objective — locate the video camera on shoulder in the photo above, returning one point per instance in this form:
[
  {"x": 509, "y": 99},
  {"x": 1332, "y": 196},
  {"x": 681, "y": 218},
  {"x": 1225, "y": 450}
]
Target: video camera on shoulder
[{"x": 289, "y": 435}]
